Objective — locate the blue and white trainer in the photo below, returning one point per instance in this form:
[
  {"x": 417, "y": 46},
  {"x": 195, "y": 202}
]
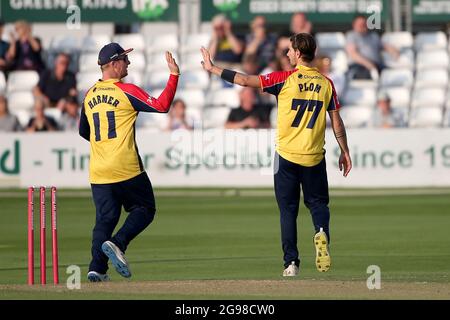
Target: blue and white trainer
[
  {"x": 117, "y": 258},
  {"x": 94, "y": 276}
]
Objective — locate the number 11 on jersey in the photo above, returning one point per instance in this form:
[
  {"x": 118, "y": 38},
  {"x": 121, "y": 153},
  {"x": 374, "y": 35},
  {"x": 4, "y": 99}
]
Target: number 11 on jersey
[{"x": 111, "y": 125}]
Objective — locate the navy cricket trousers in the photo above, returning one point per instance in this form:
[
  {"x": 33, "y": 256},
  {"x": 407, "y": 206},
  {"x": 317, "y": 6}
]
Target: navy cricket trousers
[
  {"x": 136, "y": 196},
  {"x": 289, "y": 179}
]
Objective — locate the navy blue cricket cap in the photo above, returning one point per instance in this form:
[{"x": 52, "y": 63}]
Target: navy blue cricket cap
[{"x": 111, "y": 52}]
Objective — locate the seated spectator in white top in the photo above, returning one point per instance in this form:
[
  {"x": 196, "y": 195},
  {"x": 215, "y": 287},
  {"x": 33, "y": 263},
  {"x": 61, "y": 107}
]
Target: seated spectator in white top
[
  {"x": 8, "y": 122},
  {"x": 40, "y": 122},
  {"x": 250, "y": 114},
  {"x": 225, "y": 46},
  {"x": 70, "y": 119},
  {"x": 364, "y": 51},
  {"x": 260, "y": 43},
  {"x": 384, "y": 117},
  {"x": 177, "y": 116},
  {"x": 55, "y": 85}
]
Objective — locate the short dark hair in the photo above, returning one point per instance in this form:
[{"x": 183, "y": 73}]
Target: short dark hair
[
  {"x": 2, "y": 23},
  {"x": 306, "y": 44},
  {"x": 71, "y": 100}
]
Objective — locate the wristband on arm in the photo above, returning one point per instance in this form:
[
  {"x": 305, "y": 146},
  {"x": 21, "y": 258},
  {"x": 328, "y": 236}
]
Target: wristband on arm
[{"x": 228, "y": 75}]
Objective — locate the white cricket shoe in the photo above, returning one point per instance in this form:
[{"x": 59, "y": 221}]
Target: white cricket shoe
[
  {"x": 117, "y": 258},
  {"x": 291, "y": 270},
  {"x": 94, "y": 276}
]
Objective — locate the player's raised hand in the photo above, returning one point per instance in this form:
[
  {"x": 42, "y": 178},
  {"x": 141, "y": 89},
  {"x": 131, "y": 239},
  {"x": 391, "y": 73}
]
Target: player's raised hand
[
  {"x": 345, "y": 162},
  {"x": 206, "y": 63},
  {"x": 172, "y": 64}
]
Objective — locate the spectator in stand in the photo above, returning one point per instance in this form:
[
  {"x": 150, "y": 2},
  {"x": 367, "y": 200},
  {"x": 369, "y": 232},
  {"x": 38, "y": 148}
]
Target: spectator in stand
[
  {"x": 177, "y": 116},
  {"x": 250, "y": 113},
  {"x": 299, "y": 24},
  {"x": 70, "y": 119},
  {"x": 364, "y": 51},
  {"x": 225, "y": 46},
  {"x": 260, "y": 43},
  {"x": 250, "y": 64},
  {"x": 57, "y": 84},
  {"x": 8, "y": 122},
  {"x": 25, "y": 50},
  {"x": 323, "y": 64},
  {"x": 4, "y": 48},
  {"x": 41, "y": 122},
  {"x": 285, "y": 64},
  {"x": 384, "y": 116}
]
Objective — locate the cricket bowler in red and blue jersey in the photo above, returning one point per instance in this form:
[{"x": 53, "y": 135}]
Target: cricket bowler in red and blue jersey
[{"x": 304, "y": 97}]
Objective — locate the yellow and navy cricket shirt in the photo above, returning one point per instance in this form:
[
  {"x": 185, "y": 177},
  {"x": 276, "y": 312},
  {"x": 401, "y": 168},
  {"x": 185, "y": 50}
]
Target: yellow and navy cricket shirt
[
  {"x": 107, "y": 120},
  {"x": 304, "y": 95}
]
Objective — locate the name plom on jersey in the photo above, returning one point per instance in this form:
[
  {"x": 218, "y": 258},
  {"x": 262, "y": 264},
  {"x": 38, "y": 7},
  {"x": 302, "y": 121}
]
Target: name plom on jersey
[
  {"x": 107, "y": 121},
  {"x": 304, "y": 95}
]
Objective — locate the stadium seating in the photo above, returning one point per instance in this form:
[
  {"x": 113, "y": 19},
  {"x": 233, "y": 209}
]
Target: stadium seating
[
  {"x": 94, "y": 42},
  {"x": 191, "y": 60},
  {"x": 400, "y": 96},
  {"x": 88, "y": 62},
  {"x": 135, "y": 77},
  {"x": 65, "y": 43},
  {"x": 355, "y": 116},
  {"x": 86, "y": 80},
  {"x": 397, "y": 78},
  {"x": 339, "y": 61},
  {"x": 428, "y": 98},
  {"x": 330, "y": 41},
  {"x": 426, "y": 117},
  {"x": 23, "y": 116},
  {"x": 54, "y": 113},
  {"x": 404, "y": 60},
  {"x": 431, "y": 78},
  {"x": 223, "y": 97},
  {"x": 193, "y": 42},
  {"x": 432, "y": 59},
  {"x": 194, "y": 79},
  {"x": 430, "y": 41},
  {"x": 156, "y": 79},
  {"x": 22, "y": 81},
  {"x": 157, "y": 61},
  {"x": 137, "y": 61},
  {"x": 20, "y": 100},
  {"x": 162, "y": 42},
  {"x": 131, "y": 40},
  {"x": 418, "y": 79},
  {"x": 194, "y": 98},
  {"x": 400, "y": 40},
  {"x": 446, "y": 122},
  {"x": 360, "y": 96},
  {"x": 2, "y": 83},
  {"x": 215, "y": 117}
]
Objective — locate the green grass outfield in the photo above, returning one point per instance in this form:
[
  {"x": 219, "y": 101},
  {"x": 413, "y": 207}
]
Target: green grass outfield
[{"x": 225, "y": 244}]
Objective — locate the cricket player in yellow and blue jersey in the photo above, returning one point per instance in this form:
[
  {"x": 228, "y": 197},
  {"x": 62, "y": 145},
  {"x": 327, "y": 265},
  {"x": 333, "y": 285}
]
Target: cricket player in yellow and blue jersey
[
  {"x": 304, "y": 97},
  {"x": 117, "y": 175}
]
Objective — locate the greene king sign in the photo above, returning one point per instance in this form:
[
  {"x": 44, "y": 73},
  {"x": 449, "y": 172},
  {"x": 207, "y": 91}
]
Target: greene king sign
[{"x": 91, "y": 10}]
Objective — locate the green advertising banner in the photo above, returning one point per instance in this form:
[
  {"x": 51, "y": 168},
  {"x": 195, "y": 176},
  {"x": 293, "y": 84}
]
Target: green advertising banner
[
  {"x": 431, "y": 11},
  {"x": 89, "y": 10},
  {"x": 279, "y": 11}
]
